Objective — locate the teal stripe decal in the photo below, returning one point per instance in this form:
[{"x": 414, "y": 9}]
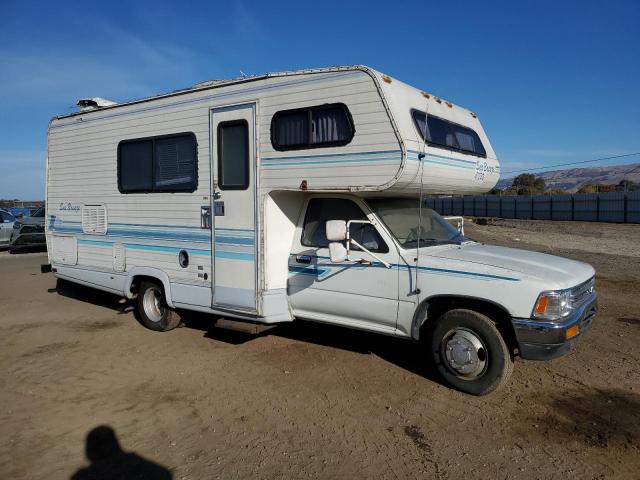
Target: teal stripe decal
[
  {"x": 95, "y": 243},
  {"x": 235, "y": 240},
  {"x": 235, "y": 255},
  {"x": 165, "y": 249},
  {"x": 414, "y": 156},
  {"x": 323, "y": 162},
  {"x": 431, "y": 270},
  {"x": 332, "y": 155}
]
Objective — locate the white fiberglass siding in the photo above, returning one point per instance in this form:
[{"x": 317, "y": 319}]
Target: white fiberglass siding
[
  {"x": 82, "y": 165},
  {"x": 445, "y": 171}
]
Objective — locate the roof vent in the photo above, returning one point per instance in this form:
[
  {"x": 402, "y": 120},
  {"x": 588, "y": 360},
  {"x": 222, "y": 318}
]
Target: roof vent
[{"x": 93, "y": 103}]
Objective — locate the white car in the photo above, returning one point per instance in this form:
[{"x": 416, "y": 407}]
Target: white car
[{"x": 6, "y": 227}]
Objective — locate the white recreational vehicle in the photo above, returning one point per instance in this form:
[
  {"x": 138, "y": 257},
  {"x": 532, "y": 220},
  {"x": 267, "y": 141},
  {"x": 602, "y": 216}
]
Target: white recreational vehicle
[{"x": 296, "y": 195}]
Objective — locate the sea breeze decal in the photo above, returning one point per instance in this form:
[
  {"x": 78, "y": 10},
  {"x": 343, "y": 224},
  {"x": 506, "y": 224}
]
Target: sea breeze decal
[
  {"x": 69, "y": 207},
  {"x": 483, "y": 169}
]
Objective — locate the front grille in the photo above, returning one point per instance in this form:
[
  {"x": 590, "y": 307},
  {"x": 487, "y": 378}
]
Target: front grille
[{"x": 581, "y": 292}]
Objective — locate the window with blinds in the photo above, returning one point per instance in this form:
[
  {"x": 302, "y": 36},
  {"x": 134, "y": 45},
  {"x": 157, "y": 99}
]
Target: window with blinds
[
  {"x": 165, "y": 163},
  {"x": 327, "y": 125}
]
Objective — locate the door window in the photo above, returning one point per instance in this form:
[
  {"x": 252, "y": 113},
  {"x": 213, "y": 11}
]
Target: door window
[
  {"x": 233, "y": 155},
  {"x": 320, "y": 210}
]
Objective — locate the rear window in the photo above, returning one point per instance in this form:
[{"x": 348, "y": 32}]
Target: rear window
[
  {"x": 445, "y": 134},
  {"x": 312, "y": 127}
]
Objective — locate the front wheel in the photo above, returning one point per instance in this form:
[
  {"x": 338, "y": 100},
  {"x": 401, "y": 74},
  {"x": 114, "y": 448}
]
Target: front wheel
[
  {"x": 469, "y": 352},
  {"x": 153, "y": 311}
]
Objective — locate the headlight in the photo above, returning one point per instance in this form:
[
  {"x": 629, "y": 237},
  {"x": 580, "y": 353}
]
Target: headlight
[{"x": 553, "y": 305}]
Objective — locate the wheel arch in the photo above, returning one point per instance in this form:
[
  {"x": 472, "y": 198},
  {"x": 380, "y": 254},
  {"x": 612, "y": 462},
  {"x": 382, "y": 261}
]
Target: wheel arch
[
  {"x": 136, "y": 274},
  {"x": 432, "y": 308}
]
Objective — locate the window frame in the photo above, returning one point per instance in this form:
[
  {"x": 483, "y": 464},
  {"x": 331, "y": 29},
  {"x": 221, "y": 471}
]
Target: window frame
[
  {"x": 192, "y": 187},
  {"x": 310, "y": 110},
  {"x": 231, "y": 123},
  {"x": 415, "y": 111},
  {"x": 385, "y": 246}
]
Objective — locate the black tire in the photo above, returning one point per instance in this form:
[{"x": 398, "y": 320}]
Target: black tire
[
  {"x": 153, "y": 311},
  {"x": 469, "y": 352}
]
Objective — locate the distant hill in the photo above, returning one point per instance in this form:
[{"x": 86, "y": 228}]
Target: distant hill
[{"x": 572, "y": 179}]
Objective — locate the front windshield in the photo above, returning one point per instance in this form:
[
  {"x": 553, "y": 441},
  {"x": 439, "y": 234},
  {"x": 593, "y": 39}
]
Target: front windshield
[{"x": 402, "y": 217}]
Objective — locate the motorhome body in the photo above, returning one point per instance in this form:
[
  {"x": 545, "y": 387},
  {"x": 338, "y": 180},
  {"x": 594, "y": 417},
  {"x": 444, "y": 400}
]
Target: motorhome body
[{"x": 215, "y": 198}]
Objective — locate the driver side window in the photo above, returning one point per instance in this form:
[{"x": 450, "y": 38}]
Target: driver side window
[{"x": 319, "y": 210}]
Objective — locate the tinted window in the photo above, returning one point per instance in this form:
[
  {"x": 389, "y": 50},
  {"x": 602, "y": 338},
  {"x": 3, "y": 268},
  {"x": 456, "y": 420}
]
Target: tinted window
[
  {"x": 320, "y": 210},
  {"x": 446, "y": 134},
  {"x": 136, "y": 166},
  {"x": 158, "y": 164},
  {"x": 311, "y": 127},
  {"x": 6, "y": 217},
  {"x": 233, "y": 155}
]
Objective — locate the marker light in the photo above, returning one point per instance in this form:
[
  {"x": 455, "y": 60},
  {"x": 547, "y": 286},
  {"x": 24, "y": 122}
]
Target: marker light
[{"x": 572, "y": 332}]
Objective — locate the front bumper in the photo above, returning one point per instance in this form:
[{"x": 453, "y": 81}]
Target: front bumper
[{"x": 546, "y": 340}]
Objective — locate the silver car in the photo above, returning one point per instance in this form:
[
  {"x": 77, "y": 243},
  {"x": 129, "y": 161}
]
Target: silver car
[{"x": 6, "y": 228}]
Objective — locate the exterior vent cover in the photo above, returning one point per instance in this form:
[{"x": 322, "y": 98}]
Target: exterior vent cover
[{"x": 94, "y": 219}]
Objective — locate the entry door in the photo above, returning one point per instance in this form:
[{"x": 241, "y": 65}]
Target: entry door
[{"x": 234, "y": 207}]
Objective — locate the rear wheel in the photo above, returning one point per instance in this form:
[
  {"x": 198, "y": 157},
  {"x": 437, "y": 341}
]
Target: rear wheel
[
  {"x": 153, "y": 311},
  {"x": 469, "y": 352}
]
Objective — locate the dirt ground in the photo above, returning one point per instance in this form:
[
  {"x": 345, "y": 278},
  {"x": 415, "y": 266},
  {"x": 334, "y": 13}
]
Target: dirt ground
[{"x": 311, "y": 401}]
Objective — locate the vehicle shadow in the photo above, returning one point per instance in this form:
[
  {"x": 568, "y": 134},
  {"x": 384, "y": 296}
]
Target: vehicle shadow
[
  {"x": 109, "y": 461},
  {"x": 409, "y": 355},
  {"x": 92, "y": 295},
  {"x": 406, "y": 354}
]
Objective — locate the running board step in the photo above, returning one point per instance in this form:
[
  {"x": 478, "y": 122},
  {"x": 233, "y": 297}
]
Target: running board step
[{"x": 244, "y": 327}]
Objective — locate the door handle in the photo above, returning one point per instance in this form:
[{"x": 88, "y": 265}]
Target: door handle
[{"x": 303, "y": 258}]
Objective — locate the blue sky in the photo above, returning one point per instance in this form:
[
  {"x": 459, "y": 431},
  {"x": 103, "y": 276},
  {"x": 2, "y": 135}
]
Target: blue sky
[{"x": 552, "y": 81}]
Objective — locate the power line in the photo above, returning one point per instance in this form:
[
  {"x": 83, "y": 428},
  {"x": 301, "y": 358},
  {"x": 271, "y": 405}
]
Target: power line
[{"x": 572, "y": 163}]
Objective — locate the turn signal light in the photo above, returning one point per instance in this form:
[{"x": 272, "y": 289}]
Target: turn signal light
[
  {"x": 541, "y": 306},
  {"x": 572, "y": 332}
]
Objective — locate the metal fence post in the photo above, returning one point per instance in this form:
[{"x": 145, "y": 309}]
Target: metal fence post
[
  {"x": 531, "y": 197},
  {"x": 626, "y": 207},
  {"x": 573, "y": 208}
]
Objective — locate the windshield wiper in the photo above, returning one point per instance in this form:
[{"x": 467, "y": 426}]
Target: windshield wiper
[{"x": 433, "y": 241}]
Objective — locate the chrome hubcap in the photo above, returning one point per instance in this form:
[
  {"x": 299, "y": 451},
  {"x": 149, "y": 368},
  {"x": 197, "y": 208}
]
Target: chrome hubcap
[
  {"x": 152, "y": 304},
  {"x": 464, "y": 353}
]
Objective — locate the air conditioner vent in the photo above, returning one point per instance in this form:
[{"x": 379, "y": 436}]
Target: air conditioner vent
[{"x": 94, "y": 219}]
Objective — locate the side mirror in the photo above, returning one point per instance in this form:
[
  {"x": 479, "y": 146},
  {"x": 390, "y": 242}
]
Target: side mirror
[
  {"x": 336, "y": 230},
  {"x": 338, "y": 252}
]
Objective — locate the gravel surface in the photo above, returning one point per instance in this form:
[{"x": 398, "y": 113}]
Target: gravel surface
[{"x": 312, "y": 401}]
